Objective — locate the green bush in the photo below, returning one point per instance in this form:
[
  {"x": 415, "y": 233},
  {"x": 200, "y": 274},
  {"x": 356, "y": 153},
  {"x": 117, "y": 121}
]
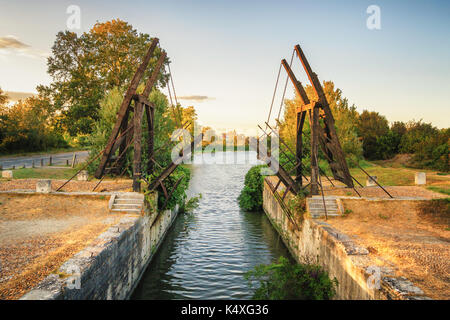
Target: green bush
[
  {"x": 250, "y": 198},
  {"x": 291, "y": 281},
  {"x": 179, "y": 195}
]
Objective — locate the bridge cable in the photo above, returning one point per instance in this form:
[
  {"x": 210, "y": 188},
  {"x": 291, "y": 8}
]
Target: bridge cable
[
  {"x": 274, "y": 93},
  {"x": 285, "y": 86}
]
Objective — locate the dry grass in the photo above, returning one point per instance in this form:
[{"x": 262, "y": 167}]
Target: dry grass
[
  {"x": 42, "y": 232},
  {"x": 397, "y": 235}
]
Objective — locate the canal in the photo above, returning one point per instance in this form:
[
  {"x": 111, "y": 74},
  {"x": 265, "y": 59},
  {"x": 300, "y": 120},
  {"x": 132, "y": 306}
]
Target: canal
[{"x": 207, "y": 252}]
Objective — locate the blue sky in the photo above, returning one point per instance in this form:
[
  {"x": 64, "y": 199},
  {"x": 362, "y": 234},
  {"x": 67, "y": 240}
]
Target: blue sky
[{"x": 230, "y": 51}]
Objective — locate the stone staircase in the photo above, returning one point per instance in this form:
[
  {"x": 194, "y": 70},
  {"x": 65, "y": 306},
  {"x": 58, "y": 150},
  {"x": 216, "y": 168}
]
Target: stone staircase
[
  {"x": 316, "y": 209},
  {"x": 126, "y": 202}
]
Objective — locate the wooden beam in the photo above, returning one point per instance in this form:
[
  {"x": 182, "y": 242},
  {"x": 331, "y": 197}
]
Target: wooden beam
[
  {"x": 330, "y": 129},
  {"x": 140, "y": 98},
  {"x": 138, "y": 111},
  {"x": 314, "y": 151},
  {"x": 152, "y": 80},
  {"x": 310, "y": 107},
  {"x": 281, "y": 173},
  {"x": 150, "y": 113},
  {"x": 297, "y": 84},
  {"x": 299, "y": 147},
  {"x": 124, "y": 107}
]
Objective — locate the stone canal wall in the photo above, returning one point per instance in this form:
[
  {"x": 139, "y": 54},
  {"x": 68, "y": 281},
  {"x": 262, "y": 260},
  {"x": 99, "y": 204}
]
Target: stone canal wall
[
  {"x": 316, "y": 241},
  {"x": 111, "y": 267}
]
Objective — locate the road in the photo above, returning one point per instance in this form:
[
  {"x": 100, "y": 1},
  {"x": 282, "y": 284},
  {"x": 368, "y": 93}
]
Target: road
[{"x": 57, "y": 159}]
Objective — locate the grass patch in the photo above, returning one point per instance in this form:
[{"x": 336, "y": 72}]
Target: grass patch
[
  {"x": 44, "y": 173},
  {"x": 443, "y": 190},
  {"x": 386, "y": 176}
]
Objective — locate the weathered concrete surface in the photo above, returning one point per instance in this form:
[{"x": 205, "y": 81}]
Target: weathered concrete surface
[
  {"x": 370, "y": 181},
  {"x": 318, "y": 242},
  {"x": 111, "y": 267},
  {"x": 420, "y": 178},
  {"x": 83, "y": 175},
  {"x": 44, "y": 186},
  {"x": 8, "y": 174}
]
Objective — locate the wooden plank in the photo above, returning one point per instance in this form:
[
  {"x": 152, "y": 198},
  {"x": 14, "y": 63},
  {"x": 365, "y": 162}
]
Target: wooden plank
[
  {"x": 167, "y": 172},
  {"x": 150, "y": 113},
  {"x": 299, "y": 146},
  {"x": 281, "y": 173},
  {"x": 138, "y": 110},
  {"x": 297, "y": 84},
  {"x": 152, "y": 80},
  {"x": 124, "y": 107},
  {"x": 140, "y": 98},
  {"x": 314, "y": 151},
  {"x": 310, "y": 107}
]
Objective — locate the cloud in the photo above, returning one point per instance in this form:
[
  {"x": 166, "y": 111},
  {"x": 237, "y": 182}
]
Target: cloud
[
  {"x": 12, "y": 45},
  {"x": 196, "y": 98},
  {"x": 11, "y": 42},
  {"x": 16, "y": 96}
]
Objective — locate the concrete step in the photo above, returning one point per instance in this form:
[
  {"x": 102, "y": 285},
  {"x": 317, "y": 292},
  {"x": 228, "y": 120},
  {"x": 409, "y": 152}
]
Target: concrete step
[
  {"x": 128, "y": 200},
  {"x": 131, "y": 202},
  {"x": 126, "y": 210},
  {"x": 317, "y": 210},
  {"x": 127, "y": 207}
]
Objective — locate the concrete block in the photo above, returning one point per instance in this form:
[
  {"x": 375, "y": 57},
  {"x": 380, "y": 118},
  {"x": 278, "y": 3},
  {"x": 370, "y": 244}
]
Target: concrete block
[
  {"x": 8, "y": 174},
  {"x": 44, "y": 186},
  {"x": 420, "y": 178},
  {"x": 83, "y": 175},
  {"x": 370, "y": 182}
]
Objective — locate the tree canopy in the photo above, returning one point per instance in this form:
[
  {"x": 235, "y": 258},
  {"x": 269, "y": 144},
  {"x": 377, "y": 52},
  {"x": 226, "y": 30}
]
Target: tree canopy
[{"x": 84, "y": 68}]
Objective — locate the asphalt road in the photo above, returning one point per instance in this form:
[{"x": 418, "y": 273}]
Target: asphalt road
[{"x": 58, "y": 159}]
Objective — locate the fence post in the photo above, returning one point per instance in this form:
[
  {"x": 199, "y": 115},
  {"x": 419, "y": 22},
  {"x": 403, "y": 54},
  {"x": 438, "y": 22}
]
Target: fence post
[{"x": 74, "y": 158}]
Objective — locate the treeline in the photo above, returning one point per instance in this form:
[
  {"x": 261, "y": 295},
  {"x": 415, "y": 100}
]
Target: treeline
[
  {"x": 28, "y": 126},
  {"x": 369, "y": 135}
]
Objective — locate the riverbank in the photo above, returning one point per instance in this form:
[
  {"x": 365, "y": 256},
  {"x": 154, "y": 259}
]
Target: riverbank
[
  {"x": 111, "y": 263},
  {"x": 349, "y": 261}
]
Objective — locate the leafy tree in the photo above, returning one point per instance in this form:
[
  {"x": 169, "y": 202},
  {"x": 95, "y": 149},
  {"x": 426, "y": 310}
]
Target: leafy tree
[
  {"x": 387, "y": 145},
  {"x": 284, "y": 280},
  {"x": 399, "y": 128},
  {"x": 27, "y": 126},
  {"x": 416, "y": 132},
  {"x": 86, "y": 67},
  {"x": 429, "y": 145},
  {"x": 371, "y": 126}
]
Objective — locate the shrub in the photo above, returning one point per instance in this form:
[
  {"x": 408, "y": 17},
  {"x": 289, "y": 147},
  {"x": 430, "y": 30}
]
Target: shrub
[
  {"x": 250, "y": 198},
  {"x": 284, "y": 280}
]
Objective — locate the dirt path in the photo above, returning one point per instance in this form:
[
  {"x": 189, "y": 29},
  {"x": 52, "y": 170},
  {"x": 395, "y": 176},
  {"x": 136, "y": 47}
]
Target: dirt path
[
  {"x": 398, "y": 236},
  {"x": 39, "y": 232}
]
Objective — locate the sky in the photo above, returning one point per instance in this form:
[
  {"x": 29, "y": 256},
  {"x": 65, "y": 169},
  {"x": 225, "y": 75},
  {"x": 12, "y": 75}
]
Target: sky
[{"x": 229, "y": 51}]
